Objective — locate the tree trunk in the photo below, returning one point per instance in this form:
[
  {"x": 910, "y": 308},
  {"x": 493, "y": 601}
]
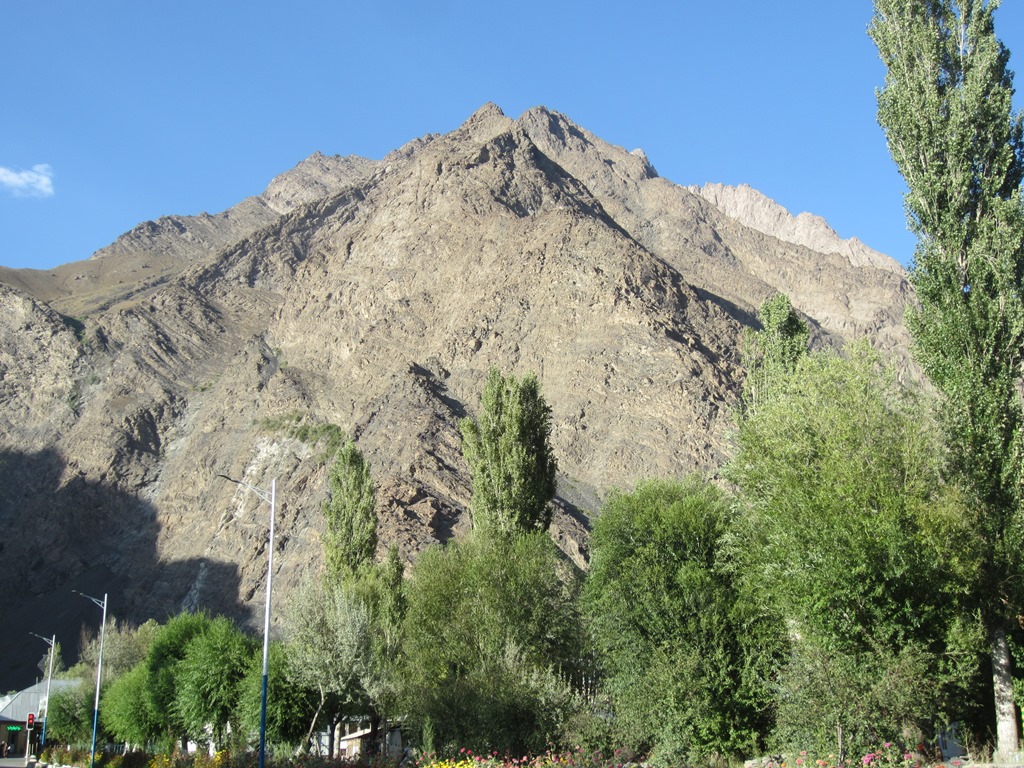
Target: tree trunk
[
  {"x": 316, "y": 716},
  {"x": 374, "y": 737},
  {"x": 1002, "y": 688}
]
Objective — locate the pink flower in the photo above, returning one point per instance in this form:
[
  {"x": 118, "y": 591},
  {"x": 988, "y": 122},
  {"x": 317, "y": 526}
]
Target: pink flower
[{"x": 868, "y": 758}]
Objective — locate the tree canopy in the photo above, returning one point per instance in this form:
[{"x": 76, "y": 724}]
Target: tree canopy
[
  {"x": 507, "y": 447},
  {"x": 687, "y": 663},
  {"x": 848, "y": 531},
  {"x": 491, "y": 644},
  {"x": 350, "y": 535},
  {"x": 947, "y": 113}
]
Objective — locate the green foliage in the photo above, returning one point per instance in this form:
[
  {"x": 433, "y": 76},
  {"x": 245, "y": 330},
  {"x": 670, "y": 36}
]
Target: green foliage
[
  {"x": 350, "y": 537},
  {"x": 124, "y": 709},
  {"x": 513, "y": 469},
  {"x": 208, "y": 679},
  {"x": 687, "y": 664},
  {"x": 328, "y": 643},
  {"x": 166, "y": 652},
  {"x": 948, "y": 117},
  {"x": 848, "y": 531},
  {"x": 124, "y": 646},
  {"x": 343, "y": 641},
  {"x": 849, "y": 699},
  {"x": 784, "y": 336},
  {"x": 491, "y": 644},
  {"x": 775, "y": 349},
  {"x": 298, "y": 427},
  {"x": 381, "y": 592},
  {"x": 947, "y": 113},
  {"x": 69, "y": 715},
  {"x": 285, "y": 700}
]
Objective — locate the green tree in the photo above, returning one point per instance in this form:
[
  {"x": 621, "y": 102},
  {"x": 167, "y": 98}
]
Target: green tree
[
  {"x": 688, "y": 664},
  {"x": 491, "y": 644},
  {"x": 513, "y": 468},
  {"x": 350, "y": 538},
  {"x": 284, "y": 700},
  {"x": 381, "y": 592},
  {"x": 69, "y": 715},
  {"x": 849, "y": 533},
  {"x": 328, "y": 649},
  {"x": 947, "y": 113},
  {"x": 125, "y": 710},
  {"x": 777, "y": 347},
  {"x": 208, "y": 678},
  {"x": 344, "y": 631},
  {"x": 124, "y": 646},
  {"x": 163, "y": 661}
]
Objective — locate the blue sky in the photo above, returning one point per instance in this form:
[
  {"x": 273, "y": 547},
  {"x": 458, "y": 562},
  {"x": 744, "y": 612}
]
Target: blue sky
[{"x": 116, "y": 112}]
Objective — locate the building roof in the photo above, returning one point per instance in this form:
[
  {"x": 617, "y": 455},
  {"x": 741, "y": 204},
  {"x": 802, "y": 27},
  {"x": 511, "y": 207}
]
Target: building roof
[{"x": 15, "y": 707}]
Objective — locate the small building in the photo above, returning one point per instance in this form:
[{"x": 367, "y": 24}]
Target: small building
[
  {"x": 351, "y": 739},
  {"x": 15, "y": 709}
]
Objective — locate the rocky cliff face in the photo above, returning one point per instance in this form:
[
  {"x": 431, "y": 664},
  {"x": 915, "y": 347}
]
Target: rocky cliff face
[{"x": 374, "y": 296}]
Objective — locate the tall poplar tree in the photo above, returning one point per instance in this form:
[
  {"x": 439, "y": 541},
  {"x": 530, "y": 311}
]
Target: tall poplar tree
[
  {"x": 509, "y": 454},
  {"x": 350, "y": 538},
  {"x": 947, "y": 113}
]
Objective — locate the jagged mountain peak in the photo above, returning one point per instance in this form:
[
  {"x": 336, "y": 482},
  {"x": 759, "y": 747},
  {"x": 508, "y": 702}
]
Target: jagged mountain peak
[
  {"x": 553, "y": 129},
  {"x": 485, "y": 123}
]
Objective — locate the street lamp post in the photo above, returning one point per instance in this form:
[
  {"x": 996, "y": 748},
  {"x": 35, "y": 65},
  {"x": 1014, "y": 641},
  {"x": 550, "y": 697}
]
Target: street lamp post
[
  {"x": 99, "y": 671},
  {"x": 49, "y": 675},
  {"x": 270, "y": 498}
]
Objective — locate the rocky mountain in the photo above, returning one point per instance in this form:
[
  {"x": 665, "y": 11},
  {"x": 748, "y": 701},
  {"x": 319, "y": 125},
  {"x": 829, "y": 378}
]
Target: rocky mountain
[{"x": 372, "y": 297}]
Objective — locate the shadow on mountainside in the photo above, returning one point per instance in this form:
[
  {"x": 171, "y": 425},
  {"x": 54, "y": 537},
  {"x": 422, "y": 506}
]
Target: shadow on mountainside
[
  {"x": 745, "y": 318},
  {"x": 59, "y": 532}
]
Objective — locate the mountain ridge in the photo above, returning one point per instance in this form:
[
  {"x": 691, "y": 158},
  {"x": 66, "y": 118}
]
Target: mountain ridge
[
  {"x": 760, "y": 212},
  {"x": 374, "y": 296}
]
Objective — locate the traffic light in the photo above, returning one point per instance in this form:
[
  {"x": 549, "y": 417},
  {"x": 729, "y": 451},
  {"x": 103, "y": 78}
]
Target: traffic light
[{"x": 31, "y": 720}]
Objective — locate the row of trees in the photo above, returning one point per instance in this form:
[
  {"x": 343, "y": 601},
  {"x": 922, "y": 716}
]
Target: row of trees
[
  {"x": 826, "y": 600},
  {"x": 164, "y": 684}
]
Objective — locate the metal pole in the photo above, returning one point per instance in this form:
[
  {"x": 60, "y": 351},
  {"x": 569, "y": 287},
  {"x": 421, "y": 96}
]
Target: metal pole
[
  {"x": 49, "y": 676},
  {"x": 271, "y": 498},
  {"x": 99, "y": 673},
  {"x": 266, "y": 629},
  {"x": 28, "y": 743}
]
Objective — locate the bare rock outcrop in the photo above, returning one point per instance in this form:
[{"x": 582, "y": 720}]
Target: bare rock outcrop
[{"x": 755, "y": 210}]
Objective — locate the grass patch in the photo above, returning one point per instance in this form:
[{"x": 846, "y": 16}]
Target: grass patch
[{"x": 299, "y": 426}]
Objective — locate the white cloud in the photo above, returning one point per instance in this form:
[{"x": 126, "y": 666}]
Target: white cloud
[{"x": 35, "y": 183}]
